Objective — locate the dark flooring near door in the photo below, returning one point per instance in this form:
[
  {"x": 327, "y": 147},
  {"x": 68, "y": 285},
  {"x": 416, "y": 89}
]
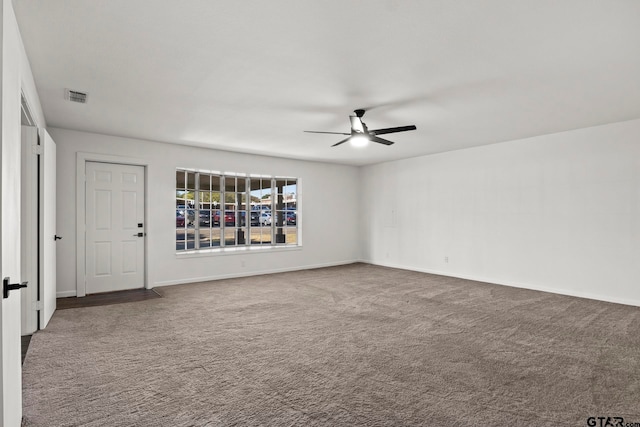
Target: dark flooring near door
[
  {"x": 24, "y": 341},
  {"x": 107, "y": 298}
]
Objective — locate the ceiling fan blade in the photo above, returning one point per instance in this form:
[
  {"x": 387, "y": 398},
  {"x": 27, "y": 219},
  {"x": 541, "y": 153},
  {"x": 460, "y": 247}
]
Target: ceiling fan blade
[
  {"x": 380, "y": 140},
  {"x": 332, "y": 133},
  {"x": 342, "y": 142},
  {"x": 392, "y": 130}
]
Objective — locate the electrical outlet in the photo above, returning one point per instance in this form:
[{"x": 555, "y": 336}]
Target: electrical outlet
[{"x": 446, "y": 259}]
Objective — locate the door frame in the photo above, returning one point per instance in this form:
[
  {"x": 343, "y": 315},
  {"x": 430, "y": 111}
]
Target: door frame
[
  {"x": 29, "y": 195},
  {"x": 81, "y": 250},
  {"x": 29, "y": 228}
]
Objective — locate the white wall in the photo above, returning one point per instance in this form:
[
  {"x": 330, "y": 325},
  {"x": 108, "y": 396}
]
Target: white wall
[
  {"x": 329, "y": 217},
  {"x": 559, "y": 213}
]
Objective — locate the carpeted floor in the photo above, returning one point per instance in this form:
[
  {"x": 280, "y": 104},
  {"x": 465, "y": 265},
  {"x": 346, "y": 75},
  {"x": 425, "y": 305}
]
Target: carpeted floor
[{"x": 342, "y": 346}]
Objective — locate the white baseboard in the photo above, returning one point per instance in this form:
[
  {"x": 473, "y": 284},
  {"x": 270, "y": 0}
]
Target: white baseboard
[
  {"x": 559, "y": 291},
  {"x": 65, "y": 294},
  {"x": 252, "y": 273}
]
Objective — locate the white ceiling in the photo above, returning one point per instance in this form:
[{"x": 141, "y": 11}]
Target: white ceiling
[{"x": 250, "y": 76}]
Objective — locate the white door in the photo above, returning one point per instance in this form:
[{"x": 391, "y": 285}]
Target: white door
[
  {"x": 47, "y": 235},
  {"x": 10, "y": 364},
  {"x": 114, "y": 227}
]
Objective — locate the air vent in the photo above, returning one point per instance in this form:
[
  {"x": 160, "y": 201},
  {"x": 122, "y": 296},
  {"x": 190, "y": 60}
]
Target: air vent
[{"x": 75, "y": 96}]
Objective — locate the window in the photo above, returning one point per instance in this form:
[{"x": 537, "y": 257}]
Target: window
[{"x": 224, "y": 210}]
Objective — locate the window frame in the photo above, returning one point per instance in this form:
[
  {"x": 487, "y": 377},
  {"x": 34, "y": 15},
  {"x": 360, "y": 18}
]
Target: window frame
[{"x": 241, "y": 240}]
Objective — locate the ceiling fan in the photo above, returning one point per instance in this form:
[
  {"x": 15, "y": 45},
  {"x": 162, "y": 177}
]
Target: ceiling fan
[{"x": 360, "y": 135}]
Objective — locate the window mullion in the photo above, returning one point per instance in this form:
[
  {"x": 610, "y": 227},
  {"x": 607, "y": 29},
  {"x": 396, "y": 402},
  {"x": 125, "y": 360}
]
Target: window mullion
[
  {"x": 247, "y": 208},
  {"x": 196, "y": 219},
  {"x": 273, "y": 211},
  {"x": 223, "y": 207}
]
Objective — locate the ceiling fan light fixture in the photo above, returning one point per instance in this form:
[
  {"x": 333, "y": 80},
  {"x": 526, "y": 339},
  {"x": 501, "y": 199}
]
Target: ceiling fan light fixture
[
  {"x": 360, "y": 135},
  {"x": 359, "y": 140}
]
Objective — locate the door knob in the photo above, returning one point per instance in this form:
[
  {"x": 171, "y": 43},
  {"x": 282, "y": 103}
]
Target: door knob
[
  {"x": 139, "y": 235},
  {"x": 6, "y": 287},
  {"x": 56, "y": 237}
]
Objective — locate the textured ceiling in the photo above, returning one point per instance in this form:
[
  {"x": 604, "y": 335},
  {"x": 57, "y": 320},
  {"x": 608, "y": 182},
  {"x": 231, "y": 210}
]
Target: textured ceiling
[{"x": 250, "y": 76}]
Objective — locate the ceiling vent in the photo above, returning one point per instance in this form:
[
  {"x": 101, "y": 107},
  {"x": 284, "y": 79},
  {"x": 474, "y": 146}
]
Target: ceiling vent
[{"x": 75, "y": 96}]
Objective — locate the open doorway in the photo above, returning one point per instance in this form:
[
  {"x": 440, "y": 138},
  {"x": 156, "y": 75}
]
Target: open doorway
[{"x": 38, "y": 222}]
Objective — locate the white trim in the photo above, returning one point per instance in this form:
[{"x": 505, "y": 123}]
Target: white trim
[
  {"x": 65, "y": 294},
  {"x": 299, "y": 204},
  {"x": 558, "y": 291},
  {"x": 253, "y": 273},
  {"x": 81, "y": 159},
  {"x": 236, "y": 250},
  {"x": 29, "y": 225}
]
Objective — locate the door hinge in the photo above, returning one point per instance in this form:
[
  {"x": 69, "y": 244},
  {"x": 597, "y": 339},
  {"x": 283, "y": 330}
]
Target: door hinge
[
  {"x": 37, "y": 149},
  {"x": 37, "y": 305}
]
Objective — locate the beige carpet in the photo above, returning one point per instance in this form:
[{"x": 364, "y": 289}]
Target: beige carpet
[{"x": 343, "y": 346}]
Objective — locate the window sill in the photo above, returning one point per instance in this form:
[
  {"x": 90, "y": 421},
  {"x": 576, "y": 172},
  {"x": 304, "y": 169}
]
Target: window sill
[{"x": 246, "y": 250}]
